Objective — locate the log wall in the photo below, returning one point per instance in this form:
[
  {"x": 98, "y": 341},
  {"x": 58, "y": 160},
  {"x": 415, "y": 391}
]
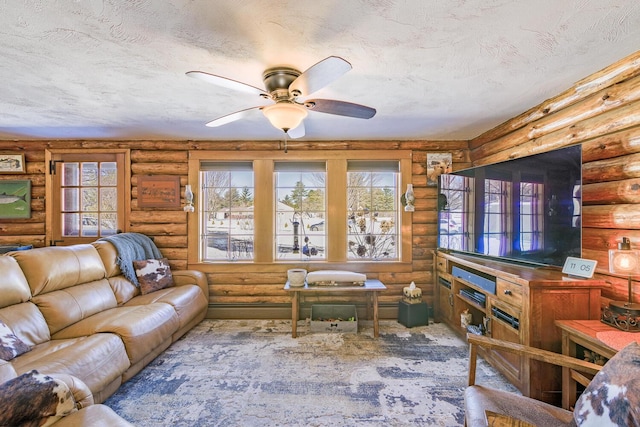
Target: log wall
[
  {"x": 236, "y": 288},
  {"x": 601, "y": 112}
]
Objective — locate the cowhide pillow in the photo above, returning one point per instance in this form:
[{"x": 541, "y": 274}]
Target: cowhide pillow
[
  {"x": 153, "y": 274},
  {"x": 10, "y": 345},
  {"x": 33, "y": 399},
  {"x": 612, "y": 398}
]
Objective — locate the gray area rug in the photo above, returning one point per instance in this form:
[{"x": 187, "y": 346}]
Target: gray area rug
[{"x": 253, "y": 373}]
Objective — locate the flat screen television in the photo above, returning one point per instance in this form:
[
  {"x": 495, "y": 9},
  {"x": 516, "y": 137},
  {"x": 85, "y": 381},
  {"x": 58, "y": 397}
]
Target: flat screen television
[{"x": 524, "y": 210}]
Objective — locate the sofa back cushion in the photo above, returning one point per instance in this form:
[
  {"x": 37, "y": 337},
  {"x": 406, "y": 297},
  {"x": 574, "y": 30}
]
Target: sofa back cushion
[
  {"x": 14, "y": 288},
  {"x": 67, "y": 306},
  {"x": 109, "y": 255},
  {"x": 10, "y": 345},
  {"x": 59, "y": 267},
  {"x": 122, "y": 287},
  {"x": 26, "y": 322}
]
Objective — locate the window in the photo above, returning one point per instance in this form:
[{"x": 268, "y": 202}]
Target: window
[
  {"x": 329, "y": 207},
  {"x": 456, "y": 219},
  {"x": 88, "y": 197},
  {"x": 300, "y": 227},
  {"x": 227, "y": 211},
  {"x": 372, "y": 203}
]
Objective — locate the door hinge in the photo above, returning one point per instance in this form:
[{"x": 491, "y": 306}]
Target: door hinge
[{"x": 52, "y": 166}]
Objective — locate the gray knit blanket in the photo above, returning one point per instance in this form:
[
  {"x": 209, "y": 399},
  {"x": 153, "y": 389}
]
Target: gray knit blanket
[{"x": 132, "y": 247}]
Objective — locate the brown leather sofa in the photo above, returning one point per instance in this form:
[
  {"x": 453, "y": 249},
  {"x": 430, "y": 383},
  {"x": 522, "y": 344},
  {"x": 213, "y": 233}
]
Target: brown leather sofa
[{"x": 81, "y": 317}]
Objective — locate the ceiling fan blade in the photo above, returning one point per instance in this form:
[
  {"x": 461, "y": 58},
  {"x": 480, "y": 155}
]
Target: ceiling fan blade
[
  {"x": 297, "y": 132},
  {"x": 340, "y": 108},
  {"x": 227, "y": 83},
  {"x": 319, "y": 75},
  {"x": 232, "y": 117}
]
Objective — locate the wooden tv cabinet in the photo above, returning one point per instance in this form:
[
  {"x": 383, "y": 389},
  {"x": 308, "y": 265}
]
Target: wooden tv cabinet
[{"x": 521, "y": 306}]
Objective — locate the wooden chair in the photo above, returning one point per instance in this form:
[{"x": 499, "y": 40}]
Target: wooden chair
[{"x": 489, "y": 407}]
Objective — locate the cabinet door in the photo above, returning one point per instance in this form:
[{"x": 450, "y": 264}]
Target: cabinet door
[
  {"x": 445, "y": 298},
  {"x": 504, "y": 325}
]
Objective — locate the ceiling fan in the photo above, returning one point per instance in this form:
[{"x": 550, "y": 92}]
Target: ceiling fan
[{"x": 288, "y": 88}]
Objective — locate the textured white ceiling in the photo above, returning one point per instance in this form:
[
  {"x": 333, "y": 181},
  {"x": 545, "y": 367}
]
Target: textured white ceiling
[{"x": 433, "y": 69}]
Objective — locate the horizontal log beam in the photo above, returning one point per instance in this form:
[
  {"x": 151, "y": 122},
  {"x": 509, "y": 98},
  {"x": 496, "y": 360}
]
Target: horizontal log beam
[
  {"x": 612, "y": 192},
  {"x": 159, "y": 156},
  {"x": 611, "y": 216},
  {"x": 159, "y": 169},
  {"x": 618, "y": 168},
  {"x": 617, "y": 144},
  {"x": 157, "y": 217},
  {"x": 160, "y": 229}
]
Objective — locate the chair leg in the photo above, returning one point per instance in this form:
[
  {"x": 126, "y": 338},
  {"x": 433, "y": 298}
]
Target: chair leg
[{"x": 473, "y": 354}]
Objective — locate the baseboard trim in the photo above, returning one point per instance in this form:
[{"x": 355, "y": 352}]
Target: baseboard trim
[{"x": 283, "y": 311}]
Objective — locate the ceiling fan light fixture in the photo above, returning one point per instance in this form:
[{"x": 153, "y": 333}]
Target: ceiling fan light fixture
[{"x": 285, "y": 115}]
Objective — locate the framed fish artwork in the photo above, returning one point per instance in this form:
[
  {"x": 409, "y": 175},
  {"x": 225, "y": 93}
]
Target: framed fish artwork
[
  {"x": 12, "y": 163},
  {"x": 15, "y": 199}
]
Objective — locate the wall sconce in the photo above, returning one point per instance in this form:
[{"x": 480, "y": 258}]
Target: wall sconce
[
  {"x": 188, "y": 198},
  {"x": 410, "y": 199},
  {"x": 624, "y": 315}
]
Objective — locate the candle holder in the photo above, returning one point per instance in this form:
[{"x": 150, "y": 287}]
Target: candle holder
[
  {"x": 188, "y": 198},
  {"x": 410, "y": 199}
]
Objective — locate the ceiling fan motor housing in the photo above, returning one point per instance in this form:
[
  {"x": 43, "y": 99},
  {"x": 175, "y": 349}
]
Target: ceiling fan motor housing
[{"x": 278, "y": 79}]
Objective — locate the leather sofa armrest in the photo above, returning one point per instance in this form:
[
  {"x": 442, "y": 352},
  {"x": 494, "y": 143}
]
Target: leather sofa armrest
[
  {"x": 476, "y": 341},
  {"x": 191, "y": 277},
  {"x": 79, "y": 389}
]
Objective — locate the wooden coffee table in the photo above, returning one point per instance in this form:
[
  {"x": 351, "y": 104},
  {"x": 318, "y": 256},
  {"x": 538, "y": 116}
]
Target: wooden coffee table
[{"x": 371, "y": 287}]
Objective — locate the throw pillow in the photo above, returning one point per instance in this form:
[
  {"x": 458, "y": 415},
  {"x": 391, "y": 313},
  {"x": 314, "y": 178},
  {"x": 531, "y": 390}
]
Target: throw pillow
[
  {"x": 153, "y": 274},
  {"x": 612, "y": 398},
  {"x": 33, "y": 399},
  {"x": 10, "y": 345}
]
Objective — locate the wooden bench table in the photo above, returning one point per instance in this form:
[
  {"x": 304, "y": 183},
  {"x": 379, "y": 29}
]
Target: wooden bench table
[{"x": 371, "y": 287}]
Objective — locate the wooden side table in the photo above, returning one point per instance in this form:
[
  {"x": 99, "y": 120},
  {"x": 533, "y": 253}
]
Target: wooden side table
[
  {"x": 372, "y": 287},
  {"x": 583, "y": 333}
]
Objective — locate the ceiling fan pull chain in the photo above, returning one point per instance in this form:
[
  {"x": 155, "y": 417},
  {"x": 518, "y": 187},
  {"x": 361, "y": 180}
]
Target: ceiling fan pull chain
[{"x": 285, "y": 143}]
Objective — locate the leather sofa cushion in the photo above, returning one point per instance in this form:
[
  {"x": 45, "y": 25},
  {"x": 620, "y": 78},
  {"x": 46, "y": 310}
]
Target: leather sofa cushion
[
  {"x": 97, "y": 360},
  {"x": 188, "y": 301},
  {"x": 14, "y": 288},
  {"x": 109, "y": 254},
  {"x": 123, "y": 289},
  {"x": 141, "y": 328},
  {"x": 70, "y": 305},
  {"x": 478, "y": 399},
  {"x": 27, "y": 322},
  {"x": 65, "y": 266},
  {"x": 94, "y": 416}
]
